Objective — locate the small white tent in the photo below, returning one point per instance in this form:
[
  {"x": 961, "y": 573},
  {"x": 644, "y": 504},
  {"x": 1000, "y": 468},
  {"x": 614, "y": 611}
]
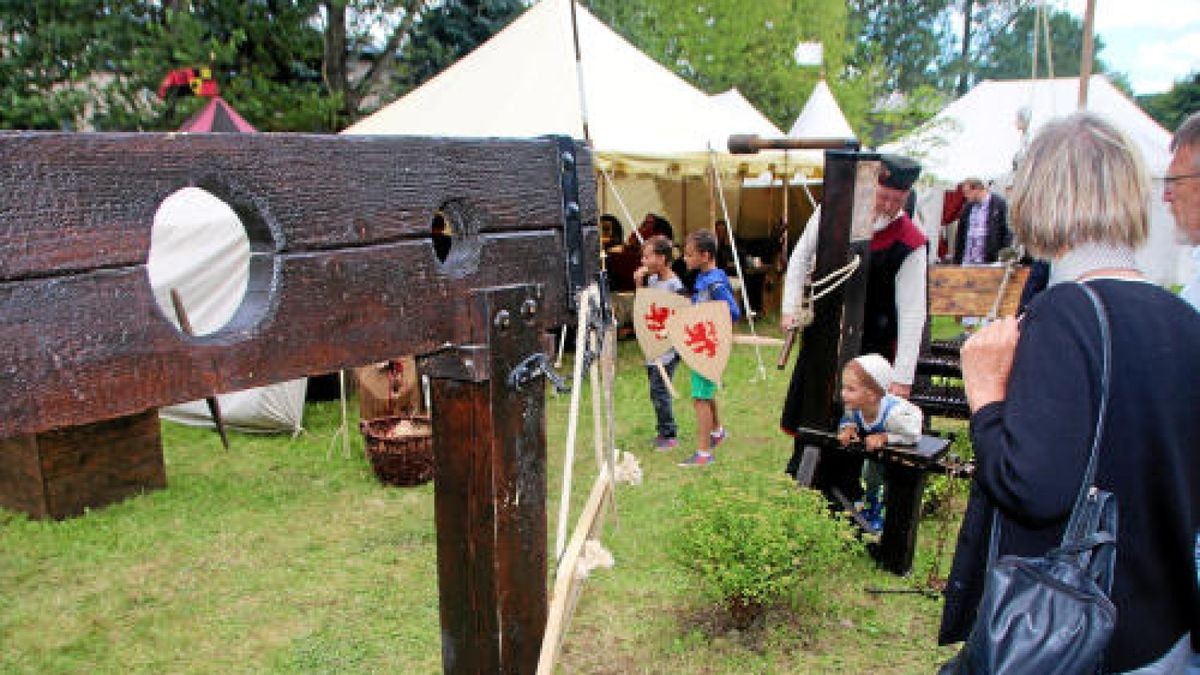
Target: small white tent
[
  {"x": 199, "y": 248},
  {"x": 821, "y": 117},
  {"x": 977, "y": 136}
]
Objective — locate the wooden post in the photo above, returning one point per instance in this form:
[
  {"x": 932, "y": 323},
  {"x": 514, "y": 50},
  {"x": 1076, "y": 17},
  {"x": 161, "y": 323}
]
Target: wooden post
[
  {"x": 836, "y": 331},
  {"x": 490, "y": 489},
  {"x": 1085, "y": 59}
]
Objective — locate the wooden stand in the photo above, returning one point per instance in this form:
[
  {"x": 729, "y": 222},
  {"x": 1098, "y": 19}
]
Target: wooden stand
[
  {"x": 61, "y": 473},
  {"x": 342, "y": 272}
]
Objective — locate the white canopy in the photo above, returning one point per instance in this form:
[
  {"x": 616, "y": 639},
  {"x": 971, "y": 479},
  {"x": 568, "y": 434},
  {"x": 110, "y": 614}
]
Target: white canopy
[
  {"x": 642, "y": 118},
  {"x": 977, "y": 136},
  {"x": 822, "y": 117}
]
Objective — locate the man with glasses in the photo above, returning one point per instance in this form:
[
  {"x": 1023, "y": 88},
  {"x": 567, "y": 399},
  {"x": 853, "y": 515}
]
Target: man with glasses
[{"x": 1181, "y": 189}]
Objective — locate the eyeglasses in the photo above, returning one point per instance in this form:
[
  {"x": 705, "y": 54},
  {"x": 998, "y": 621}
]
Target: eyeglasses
[{"x": 1169, "y": 181}]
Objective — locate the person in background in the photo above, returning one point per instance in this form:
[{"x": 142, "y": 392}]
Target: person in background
[
  {"x": 442, "y": 241},
  {"x": 700, "y": 254},
  {"x": 655, "y": 272},
  {"x": 893, "y": 314},
  {"x": 1181, "y": 189},
  {"x": 982, "y": 227},
  {"x": 611, "y": 233},
  {"x": 876, "y": 418},
  {"x": 1081, "y": 200}
]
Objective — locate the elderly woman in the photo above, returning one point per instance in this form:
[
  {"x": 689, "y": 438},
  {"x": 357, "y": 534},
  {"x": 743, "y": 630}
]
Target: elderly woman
[{"x": 1080, "y": 199}]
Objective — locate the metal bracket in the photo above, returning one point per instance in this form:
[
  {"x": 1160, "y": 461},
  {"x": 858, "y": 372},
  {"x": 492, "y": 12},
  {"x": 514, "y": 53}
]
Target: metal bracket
[
  {"x": 571, "y": 214},
  {"x": 533, "y": 367},
  {"x": 465, "y": 363}
]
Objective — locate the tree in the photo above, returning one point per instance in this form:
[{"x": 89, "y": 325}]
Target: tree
[
  {"x": 1010, "y": 52},
  {"x": 1173, "y": 106},
  {"x": 285, "y": 64},
  {"x": 905, "y": 43},
  {"x": 718, "y": 44}
]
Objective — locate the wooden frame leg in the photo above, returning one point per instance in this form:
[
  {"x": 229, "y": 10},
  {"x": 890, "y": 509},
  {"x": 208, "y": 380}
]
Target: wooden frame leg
[{"x": 490, "y": 490}]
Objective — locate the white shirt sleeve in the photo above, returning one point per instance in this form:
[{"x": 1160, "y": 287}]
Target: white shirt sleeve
[
  {"x": 903, "y": 424},
  {"x": 910, "y": 313},
  {"x": 800, "y": 263}
]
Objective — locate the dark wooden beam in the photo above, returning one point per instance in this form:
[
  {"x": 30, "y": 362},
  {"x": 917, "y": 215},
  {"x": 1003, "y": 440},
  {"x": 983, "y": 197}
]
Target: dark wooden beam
[{"x": 490, "y": 489}]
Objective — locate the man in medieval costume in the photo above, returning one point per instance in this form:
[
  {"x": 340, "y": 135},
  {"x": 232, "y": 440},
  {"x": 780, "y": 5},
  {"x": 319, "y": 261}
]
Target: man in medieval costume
[{"x": 893, "y": 315}]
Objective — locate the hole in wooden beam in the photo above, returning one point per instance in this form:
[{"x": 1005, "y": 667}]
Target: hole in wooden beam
[
  {"x": 201, "y": 250},
  {"x": 463, "y": 223}
]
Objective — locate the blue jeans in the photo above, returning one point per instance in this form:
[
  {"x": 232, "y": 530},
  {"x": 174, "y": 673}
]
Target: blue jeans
[{"x": 660, "y": 397}]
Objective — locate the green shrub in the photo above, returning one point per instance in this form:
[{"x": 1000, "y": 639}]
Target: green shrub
[{"x": 753, "y": 539}]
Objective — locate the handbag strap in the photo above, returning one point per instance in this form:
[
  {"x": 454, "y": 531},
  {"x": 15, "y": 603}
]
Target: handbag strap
[{"x": 1076, "y": 527}]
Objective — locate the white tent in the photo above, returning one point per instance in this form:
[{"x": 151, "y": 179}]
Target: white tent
[
  {"x": 642, "y": 118},
  {"x": 977, "y": 136},
  {"x": 821, "y": 117},
  {"x": 199, "y": 248}
]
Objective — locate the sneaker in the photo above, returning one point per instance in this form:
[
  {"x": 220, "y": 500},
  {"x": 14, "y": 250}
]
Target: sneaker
[
  {"x": 665, "y": 444},
  {"x": 716, "y": 437},
  {"x": 698, "y": 459}
]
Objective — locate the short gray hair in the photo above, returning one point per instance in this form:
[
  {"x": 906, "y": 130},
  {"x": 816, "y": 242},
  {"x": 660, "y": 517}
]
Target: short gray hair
[
  {"x": 1188, "y": 135},
  {"x": 1081, "y": 181}
]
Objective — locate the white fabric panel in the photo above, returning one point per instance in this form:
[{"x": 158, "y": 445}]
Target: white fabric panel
[{"x": 199, "y": 248}]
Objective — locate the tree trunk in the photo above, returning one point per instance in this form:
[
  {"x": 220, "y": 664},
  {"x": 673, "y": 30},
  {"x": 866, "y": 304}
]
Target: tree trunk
[
  {"x": 333, "y": 67},
  {"x": 964, "y": 58}
]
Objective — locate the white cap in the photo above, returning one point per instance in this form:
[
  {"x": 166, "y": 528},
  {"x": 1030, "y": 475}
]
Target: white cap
[{"x": 877, "y": 368}]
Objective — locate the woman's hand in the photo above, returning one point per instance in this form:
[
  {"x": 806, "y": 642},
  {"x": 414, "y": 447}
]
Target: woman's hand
[
  {"x": 987, "y": 358},
  {"x": 875, "y": 441}
]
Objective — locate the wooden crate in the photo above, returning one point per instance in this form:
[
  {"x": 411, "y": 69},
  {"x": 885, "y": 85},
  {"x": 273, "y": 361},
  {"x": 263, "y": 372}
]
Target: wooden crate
[
  {"x": 58, "y": 474},
  {"x": 970, "y": 290}
]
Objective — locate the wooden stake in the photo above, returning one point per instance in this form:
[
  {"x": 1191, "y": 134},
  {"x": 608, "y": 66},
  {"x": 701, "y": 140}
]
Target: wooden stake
[{"x": 185, "y": 325}]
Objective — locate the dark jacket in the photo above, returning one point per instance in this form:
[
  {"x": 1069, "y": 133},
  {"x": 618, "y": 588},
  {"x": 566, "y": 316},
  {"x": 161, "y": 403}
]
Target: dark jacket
[
  {"x": 998, "y": 234},
  {"x": 1031, "y": 450}
]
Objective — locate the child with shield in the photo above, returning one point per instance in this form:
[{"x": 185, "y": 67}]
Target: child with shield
[
  {"x": 655, "y": 272},
  {"x": 700, "y": 255}
]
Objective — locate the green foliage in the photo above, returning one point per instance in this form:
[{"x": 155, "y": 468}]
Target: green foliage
[
  {"x": 902, "y": 43},
  {"x": 1010, "y": 53},
  {"x": 755, "y": 538},
  {"x": 285, "y": 66},
  {"x": 1173, "y": 106},
  {"x": 720, "y": 44}
]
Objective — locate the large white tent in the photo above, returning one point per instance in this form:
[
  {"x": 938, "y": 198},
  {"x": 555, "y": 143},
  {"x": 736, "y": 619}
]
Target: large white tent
[
  {"x": 524, "y": 82},
  {"x": 977, "y": 136}
]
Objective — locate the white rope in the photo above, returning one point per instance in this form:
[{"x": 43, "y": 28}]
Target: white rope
[
  {"x": 621, "y": 202},
  {"x": 712, "y": 156},
  {"x": 835, "y": 278},
  {"x": 341, "y": 435},
  {"x": 586, "y": 297}
]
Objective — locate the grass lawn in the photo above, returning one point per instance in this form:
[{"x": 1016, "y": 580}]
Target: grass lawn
[{"x": 281, "y": 556}]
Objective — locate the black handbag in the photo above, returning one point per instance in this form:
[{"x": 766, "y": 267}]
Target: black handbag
[{"x": 1051, "y": 614}]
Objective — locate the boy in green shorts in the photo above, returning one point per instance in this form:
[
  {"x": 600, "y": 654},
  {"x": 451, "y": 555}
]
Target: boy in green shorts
[{"x": 700, "y": 254}]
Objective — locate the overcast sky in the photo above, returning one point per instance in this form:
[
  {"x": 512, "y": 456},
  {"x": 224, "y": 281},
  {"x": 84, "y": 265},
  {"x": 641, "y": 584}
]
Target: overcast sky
[{"x": 1154, "y": 42}]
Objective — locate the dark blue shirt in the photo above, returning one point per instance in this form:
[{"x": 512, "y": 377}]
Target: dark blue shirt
[{"x": 714, "y": 285}]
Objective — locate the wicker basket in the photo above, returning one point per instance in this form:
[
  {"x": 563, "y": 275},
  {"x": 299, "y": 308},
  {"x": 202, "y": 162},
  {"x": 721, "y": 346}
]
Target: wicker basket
[{"x": 401, "y": 457}]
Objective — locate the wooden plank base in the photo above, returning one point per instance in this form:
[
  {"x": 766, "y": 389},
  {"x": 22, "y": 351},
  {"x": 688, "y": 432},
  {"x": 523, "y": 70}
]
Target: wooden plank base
[{"x": 62, "y": 473}]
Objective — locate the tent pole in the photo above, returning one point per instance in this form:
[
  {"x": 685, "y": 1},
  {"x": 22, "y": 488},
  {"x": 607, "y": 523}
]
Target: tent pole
[{"x": 1085, "y": 59}]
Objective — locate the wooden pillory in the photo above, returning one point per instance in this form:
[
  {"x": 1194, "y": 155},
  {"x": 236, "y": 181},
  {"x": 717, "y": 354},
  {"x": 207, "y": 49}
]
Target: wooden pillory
[{"x": 342, "y": 273}]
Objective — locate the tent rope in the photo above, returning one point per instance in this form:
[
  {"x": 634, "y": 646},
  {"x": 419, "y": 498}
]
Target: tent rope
[
  {"x": 612, "y": 185},
  {"x": 762, "y": 370}
]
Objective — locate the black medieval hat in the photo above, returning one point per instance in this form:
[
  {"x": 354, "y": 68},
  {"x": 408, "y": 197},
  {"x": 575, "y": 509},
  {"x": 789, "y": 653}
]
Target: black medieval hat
[{"x": 898, "y": 172}]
